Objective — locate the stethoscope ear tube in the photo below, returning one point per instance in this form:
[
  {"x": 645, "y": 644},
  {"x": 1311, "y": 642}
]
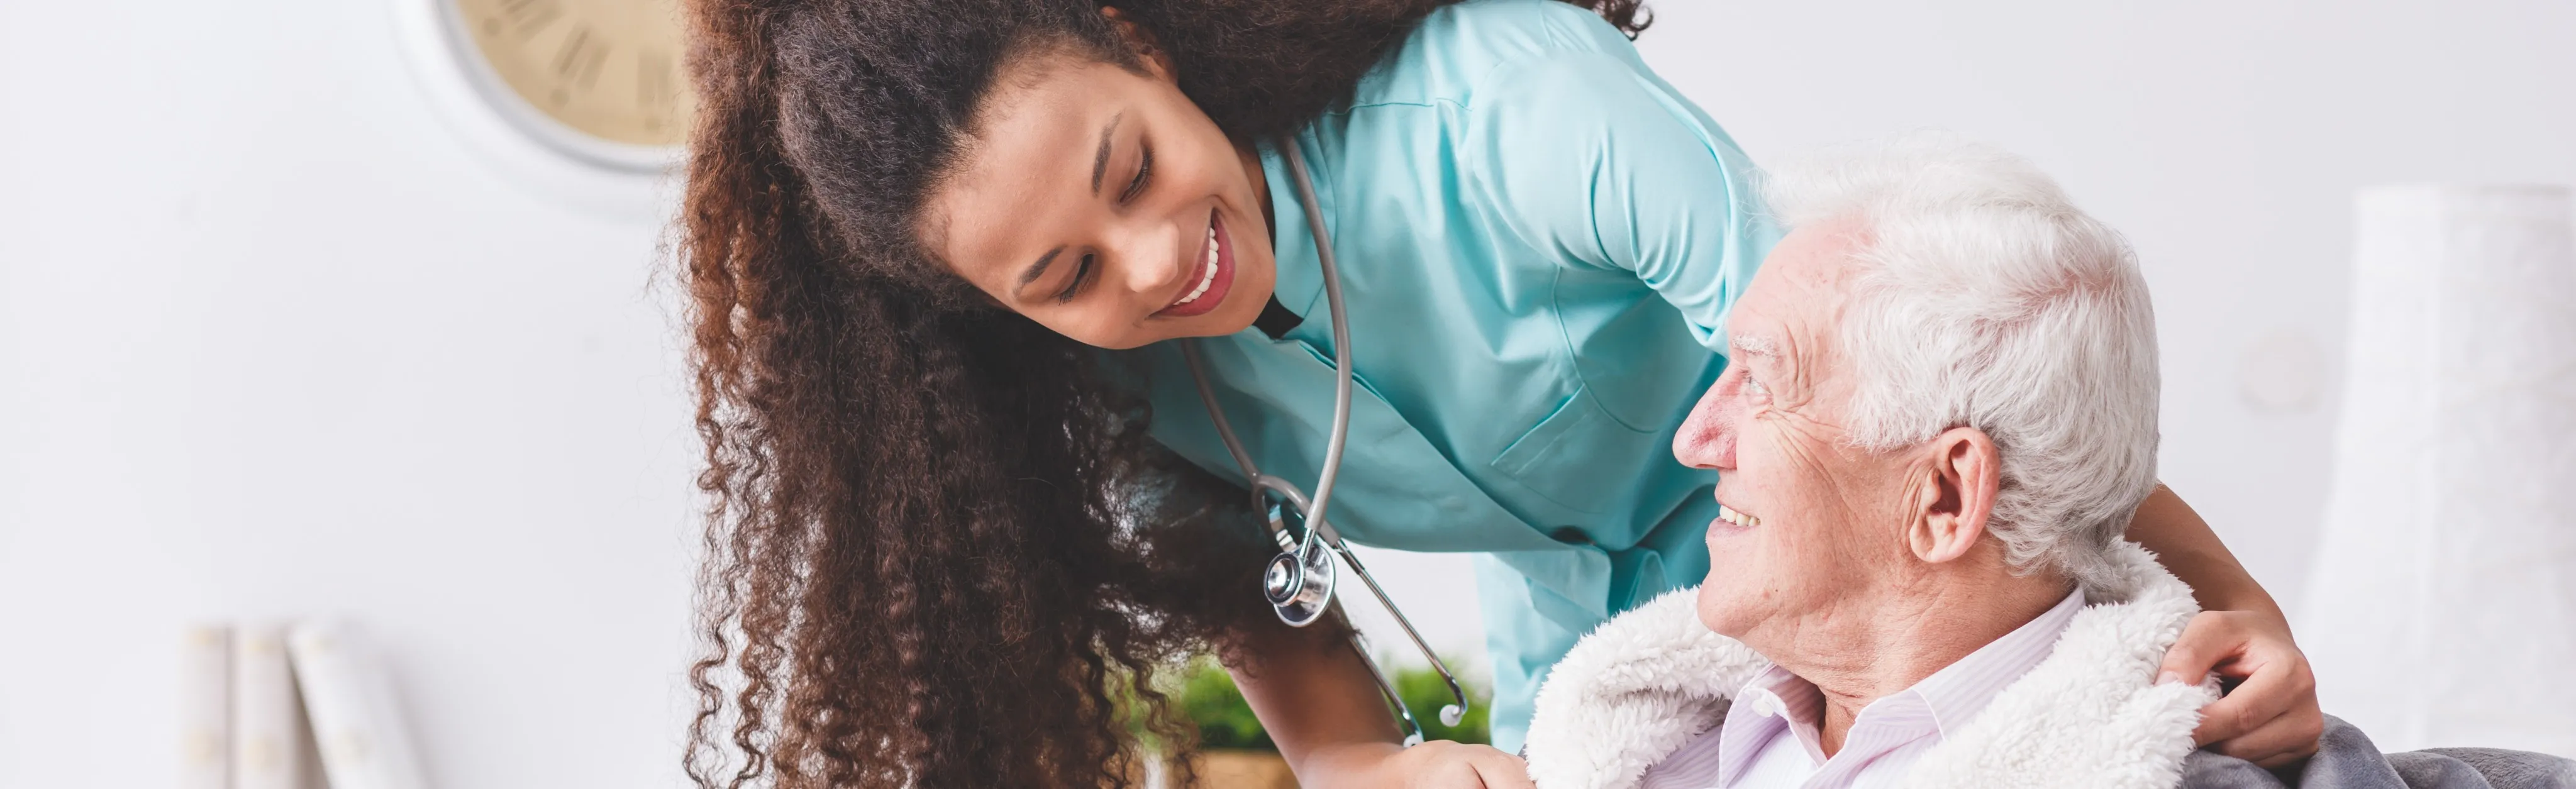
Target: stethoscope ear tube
[
  {"x": 1450, "y": 714},
  {"x": 1299, "y": 581}
]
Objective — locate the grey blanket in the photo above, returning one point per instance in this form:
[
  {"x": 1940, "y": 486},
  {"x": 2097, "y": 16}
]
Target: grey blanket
[{"x": 2346, "y": 760}]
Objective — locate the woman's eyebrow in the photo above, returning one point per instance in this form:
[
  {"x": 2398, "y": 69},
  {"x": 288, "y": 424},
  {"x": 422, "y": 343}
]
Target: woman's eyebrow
[
  {"x": 1099, "y": 167},
  {"x": 1100, "y": 160},
  {"x": 1037, "y": 269}
]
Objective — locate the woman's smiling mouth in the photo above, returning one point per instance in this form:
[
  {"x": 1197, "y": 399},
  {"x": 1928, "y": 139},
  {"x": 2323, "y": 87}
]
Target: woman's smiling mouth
[{"x": 1210, "y": 280}]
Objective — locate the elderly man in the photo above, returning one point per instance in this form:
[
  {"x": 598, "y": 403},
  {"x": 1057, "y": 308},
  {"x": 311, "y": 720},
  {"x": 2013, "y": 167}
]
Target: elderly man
[{"x": 1941, "y": 413}]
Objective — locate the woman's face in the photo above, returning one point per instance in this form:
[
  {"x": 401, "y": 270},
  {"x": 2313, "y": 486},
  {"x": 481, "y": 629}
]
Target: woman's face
[{"x": 1103, "y": 204}]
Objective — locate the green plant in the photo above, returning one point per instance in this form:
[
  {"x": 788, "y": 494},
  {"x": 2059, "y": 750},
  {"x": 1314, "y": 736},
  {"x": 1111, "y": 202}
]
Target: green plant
[
  {"x": 1225, "y": 720},
  {"x": 1423, "y": 691},
  {"x": 1208, "y": 696}
]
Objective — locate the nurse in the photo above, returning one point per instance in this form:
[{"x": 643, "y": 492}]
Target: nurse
[{"x": 952, "y": 537}]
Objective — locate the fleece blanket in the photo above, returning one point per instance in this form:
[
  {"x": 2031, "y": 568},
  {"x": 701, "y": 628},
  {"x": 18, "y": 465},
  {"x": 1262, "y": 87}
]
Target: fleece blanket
[{"x": 2089, "y": 715}]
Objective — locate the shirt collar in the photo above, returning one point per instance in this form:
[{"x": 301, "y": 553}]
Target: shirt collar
[
  {"x": 1960, "y": 690},
  {"x": 1775, "y": 702}
]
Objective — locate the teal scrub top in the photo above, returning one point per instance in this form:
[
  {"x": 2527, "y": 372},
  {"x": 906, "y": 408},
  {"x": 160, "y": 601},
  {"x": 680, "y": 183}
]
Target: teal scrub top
[{"x": 1538, "y": 242}]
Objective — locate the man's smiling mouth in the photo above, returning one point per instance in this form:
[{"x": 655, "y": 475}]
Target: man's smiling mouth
[{"x": 1734, "y": 516}]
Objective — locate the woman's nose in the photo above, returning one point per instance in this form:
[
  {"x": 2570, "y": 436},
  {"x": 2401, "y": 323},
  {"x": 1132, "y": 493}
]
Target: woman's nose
[
  {"x": 1146, "y": 254},
  {"x": 1707, "y": 437}
]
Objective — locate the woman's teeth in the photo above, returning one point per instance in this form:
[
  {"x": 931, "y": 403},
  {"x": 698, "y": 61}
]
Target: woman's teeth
[
  {"x": 1728, "y": 514},
  {"x": 1207, "y": 278}
]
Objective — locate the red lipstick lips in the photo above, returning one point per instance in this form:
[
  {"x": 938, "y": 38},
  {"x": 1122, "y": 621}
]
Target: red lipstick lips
[{"x": 1210, "y": 279}]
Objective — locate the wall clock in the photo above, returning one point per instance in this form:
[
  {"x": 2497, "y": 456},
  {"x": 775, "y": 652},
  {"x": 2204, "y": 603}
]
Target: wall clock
[
  {"x": 606, "y": 70},
  {"x": 587, "y": 97}
]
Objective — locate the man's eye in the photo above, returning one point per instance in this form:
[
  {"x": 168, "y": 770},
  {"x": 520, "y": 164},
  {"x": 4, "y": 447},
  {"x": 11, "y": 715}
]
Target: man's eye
[
  {"x": 1081, "y": 271},
  {"x": 1753, "y": 387},
  {"x": 1144, "y": 174}
]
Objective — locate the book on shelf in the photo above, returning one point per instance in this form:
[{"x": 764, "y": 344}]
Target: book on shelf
[
  {"x": 205, "y": 707},
  {"x": 351, "y": 701},
  {"x": 269, "y": 741},
  {"x": 269, "y": 706}
]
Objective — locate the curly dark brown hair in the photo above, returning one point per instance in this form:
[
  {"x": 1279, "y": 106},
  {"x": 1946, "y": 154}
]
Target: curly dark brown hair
[{"x": 941, "y": 551}]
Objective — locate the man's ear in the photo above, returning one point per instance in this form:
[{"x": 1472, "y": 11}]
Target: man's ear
[
  {"x": 1142, "y": 42},
  {"x": 1957, "y": 495}
]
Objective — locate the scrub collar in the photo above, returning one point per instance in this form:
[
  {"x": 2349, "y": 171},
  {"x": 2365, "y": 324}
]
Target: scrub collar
[{"x": 1299, "y": 282}]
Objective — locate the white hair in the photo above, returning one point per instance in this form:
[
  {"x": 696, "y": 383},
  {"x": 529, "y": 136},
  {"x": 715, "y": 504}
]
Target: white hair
[{"x": 1985, "y": 299}]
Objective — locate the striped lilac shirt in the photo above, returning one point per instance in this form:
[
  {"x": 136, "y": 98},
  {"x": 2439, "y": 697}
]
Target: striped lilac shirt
[{"x": 1770, "y": 738}]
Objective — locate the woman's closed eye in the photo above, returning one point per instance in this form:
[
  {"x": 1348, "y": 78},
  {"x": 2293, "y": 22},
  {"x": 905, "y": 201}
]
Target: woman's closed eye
[
  {"x": 1144, "y": 174},
  {"x": 1081, "y": 272},
  {"x": 1135, "y": 186}
]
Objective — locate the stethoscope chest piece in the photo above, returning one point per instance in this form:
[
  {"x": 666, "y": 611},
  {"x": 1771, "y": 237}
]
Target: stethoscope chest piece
[{"x": 1298, "y": 583}]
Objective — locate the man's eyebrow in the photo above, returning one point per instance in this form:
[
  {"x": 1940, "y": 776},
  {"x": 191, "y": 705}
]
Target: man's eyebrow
[
  {"x": 1100, "y": 160},
  {"x": 1039, "y": 268},
  {"x": 1755, "y": 345}
]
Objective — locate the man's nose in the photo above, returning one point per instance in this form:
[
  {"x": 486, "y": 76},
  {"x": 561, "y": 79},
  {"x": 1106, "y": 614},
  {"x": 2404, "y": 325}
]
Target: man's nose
[{"x": 1707, "y": 437}]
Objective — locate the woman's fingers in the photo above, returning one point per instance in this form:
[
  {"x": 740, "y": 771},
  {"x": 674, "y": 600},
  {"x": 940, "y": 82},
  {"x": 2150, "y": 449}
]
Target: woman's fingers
[
  {"x": 2280, "y": 742},
  {"x": 2262, "y": 698},
  {"x": 2208, "y": 640},
  {"x": 1502, "y": 770},
  {"x": 2273, "y": 716},
  {"x": 2287, "y": 740},
  {"x": 1440, "y": 764}
]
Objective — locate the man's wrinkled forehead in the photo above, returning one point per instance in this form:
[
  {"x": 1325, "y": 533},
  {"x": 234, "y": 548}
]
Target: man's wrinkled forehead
[{"x": 1790, "y": 311}]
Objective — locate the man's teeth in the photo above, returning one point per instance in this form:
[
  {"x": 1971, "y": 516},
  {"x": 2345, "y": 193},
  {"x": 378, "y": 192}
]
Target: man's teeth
[
  {"x": 1728, "y": 514},
  {"x": 1208, "y": 278}
]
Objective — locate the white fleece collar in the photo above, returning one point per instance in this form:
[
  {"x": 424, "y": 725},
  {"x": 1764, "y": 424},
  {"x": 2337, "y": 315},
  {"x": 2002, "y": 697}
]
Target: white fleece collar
[{"x": 1642, "y": 684}]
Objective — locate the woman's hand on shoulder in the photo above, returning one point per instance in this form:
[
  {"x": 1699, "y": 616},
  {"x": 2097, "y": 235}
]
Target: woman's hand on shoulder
[
  {"x": 1438, "y": 764},
  {"x": 2271, "y": 719}
]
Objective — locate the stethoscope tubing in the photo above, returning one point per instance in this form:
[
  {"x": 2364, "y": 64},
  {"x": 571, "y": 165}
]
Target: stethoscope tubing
[
  {"x": 1320, "y": 533},
  {"x": 1341, "y": 343}
]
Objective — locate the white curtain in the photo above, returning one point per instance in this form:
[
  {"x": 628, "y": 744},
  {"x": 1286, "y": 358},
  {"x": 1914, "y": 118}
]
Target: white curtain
[{"x": 2442, "y": 607}]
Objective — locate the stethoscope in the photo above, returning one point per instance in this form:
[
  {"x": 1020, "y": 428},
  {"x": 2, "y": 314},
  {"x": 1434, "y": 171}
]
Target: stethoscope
[{"x": 1299, "y": 581}]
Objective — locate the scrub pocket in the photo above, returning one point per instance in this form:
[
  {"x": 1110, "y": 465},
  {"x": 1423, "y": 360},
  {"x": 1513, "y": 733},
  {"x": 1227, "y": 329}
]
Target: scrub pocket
[{"x": 1576, "y": 455}]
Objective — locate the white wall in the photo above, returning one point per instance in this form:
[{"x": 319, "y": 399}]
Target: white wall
[{"x": 273, "y": 341}]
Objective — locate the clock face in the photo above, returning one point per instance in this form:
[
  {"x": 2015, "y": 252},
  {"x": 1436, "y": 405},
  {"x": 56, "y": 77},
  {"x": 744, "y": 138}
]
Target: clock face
[{"x": 610, "y": 69}]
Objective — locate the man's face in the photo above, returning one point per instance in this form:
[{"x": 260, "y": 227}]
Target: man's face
[{"x": 1807, "y": 516}]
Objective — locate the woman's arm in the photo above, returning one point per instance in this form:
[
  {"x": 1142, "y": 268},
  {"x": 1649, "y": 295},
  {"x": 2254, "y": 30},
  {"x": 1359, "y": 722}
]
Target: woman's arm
[
  {"x": 2184, "y": 542},
  {"x": 2272, "y": 719},
  {"x": 1316, "y": 699}
]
